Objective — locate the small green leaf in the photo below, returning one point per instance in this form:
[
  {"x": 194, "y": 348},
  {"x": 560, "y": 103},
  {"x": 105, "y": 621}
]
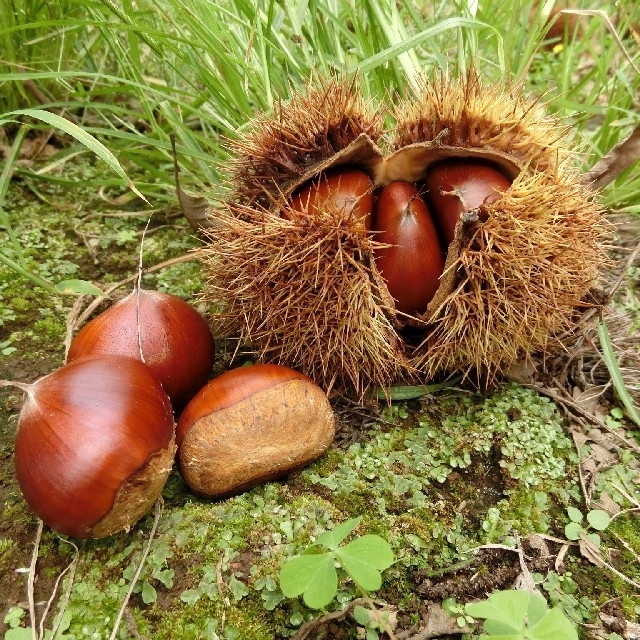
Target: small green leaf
[
  {"x": 553, "y": 626},
  {"x": 149, "y": 594},
  {"x": 77, "y": 287},
  {"x": 497, "y": 629},
  {"x": 190, "y": 596},
  {"x": 363, "y": 574},
  {"x": 18, "y": 633},
  {"x": 575, "y": 515},
  {"x": 334, "y": 537},
  {"x": 537, "y": 609},
  {"x": 572, "y": 531},
  {"x": 313, "y": 576},
  {"x": 598, "y": 519},
  {"x": 238, "y": 588},
  {"x": 507, "y": 607},
  {"x": 361, "y": 615},
  {"x": 371, "y": 549},
  {"x": 595, "y": 538}
]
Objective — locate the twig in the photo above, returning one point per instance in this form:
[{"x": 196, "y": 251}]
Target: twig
[
  {"x": 585, "y": 493},
  {"x": 305, "y": 630},
  {"x": 145, "y": 553},
  {"x": 67, "y": 594},
  {"x": 623, "y": 272},
  {"x": 31, "y": 579}
]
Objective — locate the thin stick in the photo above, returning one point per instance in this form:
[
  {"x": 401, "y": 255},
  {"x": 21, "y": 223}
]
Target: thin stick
[
  {"x": 71, "y": 567},
  {"x": 31, "y": 580},
  {"x": 145, "y": 553},
  {"x": 137, "y": 287}
]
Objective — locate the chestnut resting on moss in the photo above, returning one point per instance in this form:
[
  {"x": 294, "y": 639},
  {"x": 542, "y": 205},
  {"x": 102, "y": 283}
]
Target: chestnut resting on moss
[
  {"x": 95, "y": 445},
  {"x": 250, "y": 425}
]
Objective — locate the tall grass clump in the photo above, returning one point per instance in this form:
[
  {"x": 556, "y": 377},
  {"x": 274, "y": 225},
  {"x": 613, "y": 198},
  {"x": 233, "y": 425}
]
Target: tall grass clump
[{"x": 135, "y": 73}]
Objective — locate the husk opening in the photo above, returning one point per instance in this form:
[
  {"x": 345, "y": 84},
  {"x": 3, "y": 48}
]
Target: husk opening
[{"x": 305, "y": 291}]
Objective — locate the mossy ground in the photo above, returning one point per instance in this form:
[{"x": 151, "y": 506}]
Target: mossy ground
[{"x": 437, "y": 477}]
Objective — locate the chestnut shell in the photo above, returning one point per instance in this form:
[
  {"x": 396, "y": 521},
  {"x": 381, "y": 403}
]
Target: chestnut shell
[
  {"x": 94, "y": 446},
  {"x": 177, "y": 342}
]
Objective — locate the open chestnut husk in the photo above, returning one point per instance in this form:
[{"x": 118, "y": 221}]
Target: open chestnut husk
[
  {"x": 95, "y": 445},
  {"x": 522, "y": 260},
  {"x": 251, "y": 425}
]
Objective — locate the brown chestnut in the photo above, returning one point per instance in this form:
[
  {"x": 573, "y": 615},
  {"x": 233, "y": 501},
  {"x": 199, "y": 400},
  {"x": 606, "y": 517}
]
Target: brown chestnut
[
  {"x": 457, "y": 185},
  {"x": 95, "y": 445},
  {"x": 414, "y": 263},
  {"x": 340, "y": 188},
  {"x": 176, "y": 340},
  {"x": 251, "y": 425}
]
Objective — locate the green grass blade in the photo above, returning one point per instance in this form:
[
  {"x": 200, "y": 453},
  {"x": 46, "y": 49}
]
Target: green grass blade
[
  {"x": 80, "y": 135},
  {"x": 611, "y": 361},
  {"x": 396, "y": 50},
  {"x": 5, "y": 179}
]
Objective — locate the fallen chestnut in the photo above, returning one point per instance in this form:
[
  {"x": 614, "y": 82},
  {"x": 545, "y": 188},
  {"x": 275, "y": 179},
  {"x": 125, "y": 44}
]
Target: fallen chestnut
[
  {"x": 175, "y": 340},
  {"x": 340, "y": 188},
  {"x": 457, "y": 185},
  {"x": 251, "y": 425},
  {"x": 414, "y": 262},
  {"x": 94, "y": 446}
]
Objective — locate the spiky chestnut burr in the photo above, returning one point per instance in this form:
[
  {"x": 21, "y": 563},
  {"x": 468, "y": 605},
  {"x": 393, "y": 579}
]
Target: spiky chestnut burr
[{"x": 303, "y": 288}]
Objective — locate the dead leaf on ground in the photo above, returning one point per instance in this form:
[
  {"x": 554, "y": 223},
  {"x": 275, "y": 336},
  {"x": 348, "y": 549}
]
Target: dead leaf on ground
[
  {"x": 621, "y": 157},
  {"x": 591, "y": 551},
  {"x": 630, "y": 630},
  {"x": 194, "y": 207},
  {"x": 437, "y": 623},
  {"x": 607, "y": 503}
]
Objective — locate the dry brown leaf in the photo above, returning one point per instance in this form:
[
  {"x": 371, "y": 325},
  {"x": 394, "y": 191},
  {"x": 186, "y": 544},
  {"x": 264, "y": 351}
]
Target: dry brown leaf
[
  {"x": 560, "y": 558},
  {"x": 537, "y": 542},
  {"x": 194, "y": 207},
  {"x": 590, "y": 551},
  {"x": 630, "y": 630},
  {"x": 589, "y": 399},
  {"x": 607, "y": 503},
  {"x": 621, "y": 157},
  {"x": 437, "y": 623}
]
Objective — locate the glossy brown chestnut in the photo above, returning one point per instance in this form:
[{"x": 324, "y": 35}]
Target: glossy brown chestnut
[
  {"x": 95, "y": 445},
  {"x": 341, "y": 188},
  {"x": 413, "y": 265},
  {"x": 176, "y": 340},
  {"x": 457, "y": 185},
  {"x": 251, "y": 425}
]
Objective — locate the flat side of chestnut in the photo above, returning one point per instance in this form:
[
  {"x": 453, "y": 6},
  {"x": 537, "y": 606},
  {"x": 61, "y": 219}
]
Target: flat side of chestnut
[
  {"x": 136, "y": 496},
  {"x": 262, "y": 437}
]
